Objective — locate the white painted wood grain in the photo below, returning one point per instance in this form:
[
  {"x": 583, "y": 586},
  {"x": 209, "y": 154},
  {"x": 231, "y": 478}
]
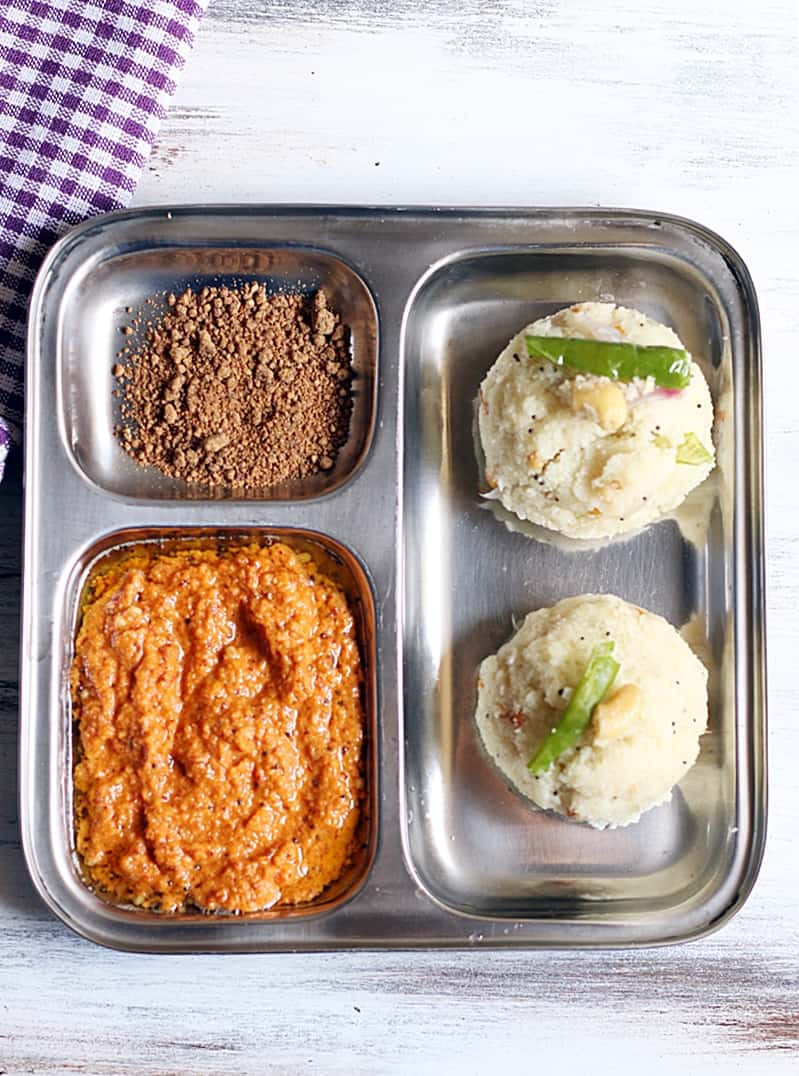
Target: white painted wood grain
[{"x": 688, "y": 107}]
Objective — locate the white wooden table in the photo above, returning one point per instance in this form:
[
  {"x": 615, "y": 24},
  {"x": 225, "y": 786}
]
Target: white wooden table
[{"x": 688, "y": 106}]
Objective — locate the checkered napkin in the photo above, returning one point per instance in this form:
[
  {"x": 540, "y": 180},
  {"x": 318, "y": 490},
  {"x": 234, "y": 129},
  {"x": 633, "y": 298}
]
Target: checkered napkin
[{"x": 83, "y": 87}]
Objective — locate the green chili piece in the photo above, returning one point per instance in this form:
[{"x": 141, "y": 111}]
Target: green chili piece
[
  {"x": 669, "y": 366},
  {"x": 593, "y": 686},
  {"x": 693, "y": 451}
]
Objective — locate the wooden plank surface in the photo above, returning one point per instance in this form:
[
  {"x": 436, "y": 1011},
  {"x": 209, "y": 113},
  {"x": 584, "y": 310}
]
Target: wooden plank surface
[{"x": 688, "y": 106}]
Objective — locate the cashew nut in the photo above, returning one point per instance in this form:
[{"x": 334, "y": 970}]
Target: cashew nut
[
  {"x": 613, "y": 718},
  {"x": 605, "y": 399}
]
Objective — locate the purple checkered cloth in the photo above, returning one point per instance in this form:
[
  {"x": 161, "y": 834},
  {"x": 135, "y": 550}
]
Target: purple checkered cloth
[
  {"x": 5, "y": 440},
  {"x": 84, "y": 85}
]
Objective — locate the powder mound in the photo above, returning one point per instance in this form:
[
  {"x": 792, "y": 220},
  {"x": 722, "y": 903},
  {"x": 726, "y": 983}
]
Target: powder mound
[{"x": 236, "y": 388}]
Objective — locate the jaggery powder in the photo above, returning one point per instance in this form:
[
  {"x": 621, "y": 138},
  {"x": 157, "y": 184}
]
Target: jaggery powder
[
  {"x": 217, "y": 695},
  {"x": 236, "y": 388}
]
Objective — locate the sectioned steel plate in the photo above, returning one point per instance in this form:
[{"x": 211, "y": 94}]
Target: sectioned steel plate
[{"x": 453, "y": 857}]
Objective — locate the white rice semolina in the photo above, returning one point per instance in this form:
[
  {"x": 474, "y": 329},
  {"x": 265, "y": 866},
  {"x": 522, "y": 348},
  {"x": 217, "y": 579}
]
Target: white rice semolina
[
  {"x": 525, "y": 687},
  {"x": 552, "y": 462}
]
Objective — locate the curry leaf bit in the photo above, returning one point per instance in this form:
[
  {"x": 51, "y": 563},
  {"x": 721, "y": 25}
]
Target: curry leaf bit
[
  {"x": 669, "y": 366},
  {"x": 693, "y": 451},
  {"x": 593, "y": 686}
]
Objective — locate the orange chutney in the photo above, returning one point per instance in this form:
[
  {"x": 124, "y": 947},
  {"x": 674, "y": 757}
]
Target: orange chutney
[{"x": 217, "y": 694}]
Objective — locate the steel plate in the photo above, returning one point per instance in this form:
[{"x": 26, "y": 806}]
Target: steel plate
[{"x": 432, "y": 296}]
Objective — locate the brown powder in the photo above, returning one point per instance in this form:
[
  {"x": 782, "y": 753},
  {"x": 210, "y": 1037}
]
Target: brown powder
[{"x": 236, "y": 388}]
